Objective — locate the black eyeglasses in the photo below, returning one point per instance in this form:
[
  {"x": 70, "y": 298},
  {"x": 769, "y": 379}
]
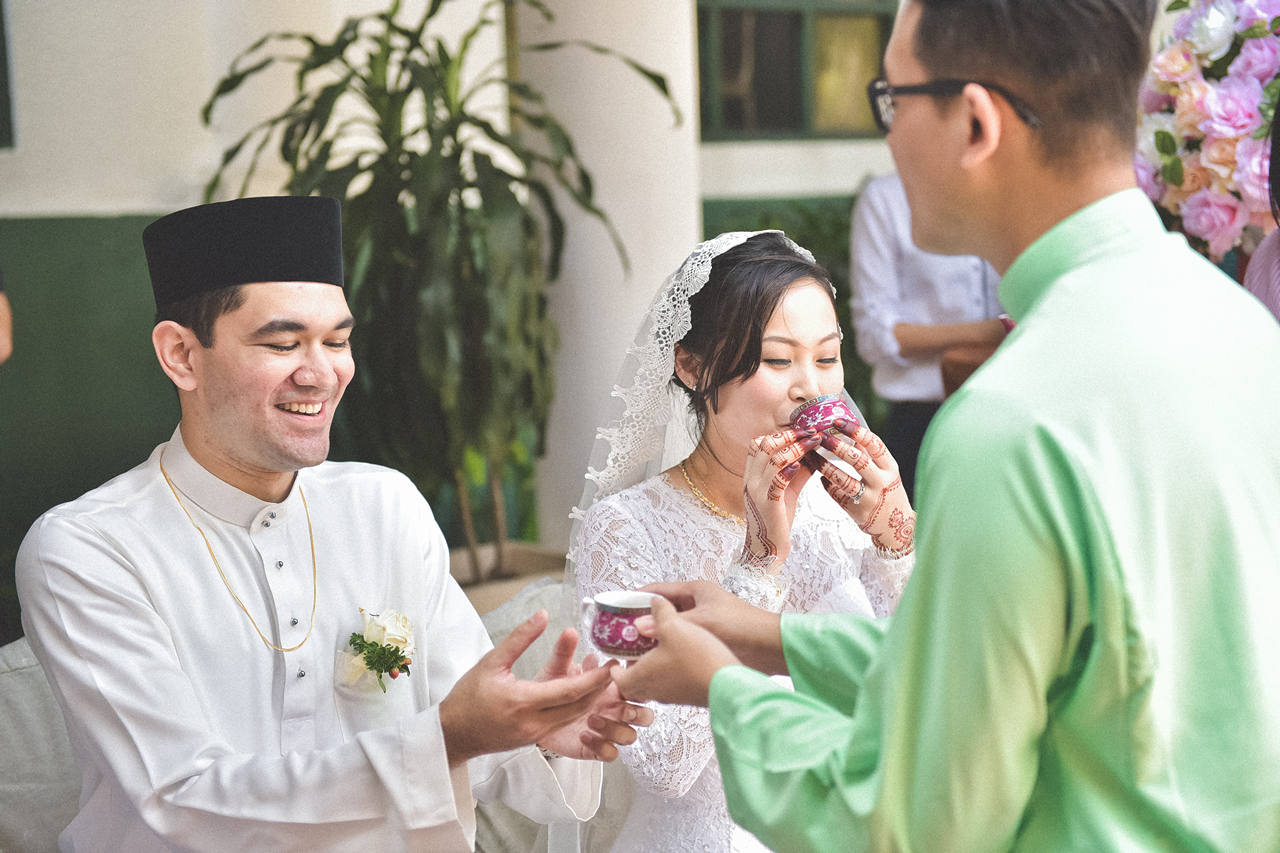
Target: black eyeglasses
[{"x": 881, "y": 96}]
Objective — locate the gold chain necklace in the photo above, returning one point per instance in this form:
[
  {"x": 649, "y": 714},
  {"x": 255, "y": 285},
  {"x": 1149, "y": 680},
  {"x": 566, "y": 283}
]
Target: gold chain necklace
[
  {"x": 697, "y": 493},
  {"x": 218, "y": 566}
]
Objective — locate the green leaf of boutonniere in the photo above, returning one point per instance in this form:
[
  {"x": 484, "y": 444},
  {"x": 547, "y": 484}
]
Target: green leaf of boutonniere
[{"x": 381, "y": 659}]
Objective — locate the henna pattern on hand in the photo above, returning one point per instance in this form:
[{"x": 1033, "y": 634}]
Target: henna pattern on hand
[
  {"x": 778, "y": 485},
  {"x": 841, "y": 487},
  {"x": 900, "y": 537},
  {"x": 880, "y": 501},
  {"x": 903, "y": 527},
  {"x": 860, "y": 461},
  {"x": 876, "y": 448},
  {"x": 771, "y": 550}
]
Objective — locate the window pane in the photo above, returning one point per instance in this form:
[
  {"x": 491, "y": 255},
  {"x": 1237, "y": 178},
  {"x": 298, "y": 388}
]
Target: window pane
[
  {"x": 706, "y": 74},
  {"x": 846, "y": 56},
  {"x": 760, "y": 70},
  {"x": 6, "y": 100}
]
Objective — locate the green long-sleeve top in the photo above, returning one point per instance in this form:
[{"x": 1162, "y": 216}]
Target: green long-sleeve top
[{"x": 1087, "y": 657}]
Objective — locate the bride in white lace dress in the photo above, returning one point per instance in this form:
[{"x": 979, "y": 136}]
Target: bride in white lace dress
[{"x": 748, "y": 327}]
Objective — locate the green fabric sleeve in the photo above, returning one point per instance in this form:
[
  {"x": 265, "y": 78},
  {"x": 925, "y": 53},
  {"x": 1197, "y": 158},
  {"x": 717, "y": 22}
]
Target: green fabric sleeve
[
  {"x": 785, "y": 759},
  {"x": 828, "y": 655},
  {"x": 926, "y": 739}
]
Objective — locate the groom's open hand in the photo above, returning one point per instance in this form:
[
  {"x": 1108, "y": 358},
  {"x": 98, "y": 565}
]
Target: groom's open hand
[
  {"x": 611, "y": 720},
  {"x": 490, "y": 710}
]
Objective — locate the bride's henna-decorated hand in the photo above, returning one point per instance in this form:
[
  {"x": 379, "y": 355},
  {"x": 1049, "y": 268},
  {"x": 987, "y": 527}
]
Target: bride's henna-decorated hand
[
  {"x": 878, "y": 502},
  {"x": 771, "y": 486}
]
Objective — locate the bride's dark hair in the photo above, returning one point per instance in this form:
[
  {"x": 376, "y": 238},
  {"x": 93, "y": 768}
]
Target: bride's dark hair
[{"x": 729, "y": 313}]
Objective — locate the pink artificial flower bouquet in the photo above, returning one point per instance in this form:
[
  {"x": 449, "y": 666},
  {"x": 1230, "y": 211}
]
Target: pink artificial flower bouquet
[{"x": 1203, "y": 153}]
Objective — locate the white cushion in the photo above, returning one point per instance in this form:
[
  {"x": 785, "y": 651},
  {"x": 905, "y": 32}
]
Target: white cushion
[{"x": 39, "y": 783}]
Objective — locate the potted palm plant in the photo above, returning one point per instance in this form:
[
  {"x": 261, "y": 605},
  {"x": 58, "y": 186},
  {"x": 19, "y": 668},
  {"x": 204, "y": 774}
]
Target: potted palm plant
[{"x": 451, "y": 230}]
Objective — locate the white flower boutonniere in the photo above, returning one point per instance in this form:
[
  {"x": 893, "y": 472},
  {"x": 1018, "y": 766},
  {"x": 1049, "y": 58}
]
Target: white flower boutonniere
[{"x": 385, "y": 647}]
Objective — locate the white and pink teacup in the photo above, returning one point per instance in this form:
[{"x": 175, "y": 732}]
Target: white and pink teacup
[
  {"x": 820, "y": 413},
  {"x": 609, "y": 622}
]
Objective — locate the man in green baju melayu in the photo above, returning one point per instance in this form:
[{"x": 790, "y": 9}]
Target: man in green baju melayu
[{"x": 1087, "y": 657}]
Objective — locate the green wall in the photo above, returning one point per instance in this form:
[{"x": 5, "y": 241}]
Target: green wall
[{"x": 82, "y": 399}]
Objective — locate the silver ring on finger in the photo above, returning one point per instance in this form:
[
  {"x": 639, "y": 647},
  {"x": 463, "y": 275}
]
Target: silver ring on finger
[{"x": 862, "y": 487}]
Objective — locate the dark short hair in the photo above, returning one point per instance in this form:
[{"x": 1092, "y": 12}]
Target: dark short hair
[
  {"x": 1078, "y": 63},
  {"x": 199, "y": 312},
  {"x": 729, "y": 313}
]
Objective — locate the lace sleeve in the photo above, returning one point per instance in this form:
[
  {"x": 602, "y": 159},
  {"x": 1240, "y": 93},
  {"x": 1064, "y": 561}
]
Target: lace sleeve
[
  {"x": 616, "y": 551},
  {"x": 670, "y": 755},
  {"x": 884, "y": 579},
  {"x": 755, "y": 586}
]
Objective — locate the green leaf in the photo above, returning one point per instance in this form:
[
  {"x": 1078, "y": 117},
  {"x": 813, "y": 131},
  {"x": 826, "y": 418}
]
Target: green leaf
[
  {"x": 523, "y": 90},
  {"x": 229, "y": 84},
  {"x": 253, "y": 163},
  {"x": 1219, "y": 68},
  {"x": 322, "y": 54},
  {"x": 1267, "y": 108},
  {"x": 464, "y": 44},
  {"x": 473, "y": 465},
  {"x": 1258, "y": 30},
  {"x": 519, "y": 453},
  {"x": 1171, "y": 171},
  {"x": 322, "y": 107},
  {"x": 555, "y": 224},
  {"x": 1178, "y": 5},
  {"x": 1165, "y": 143},
  {"x": 337, "y": 182},
  {"x": 304, "y": 182},
  {"x": 360, "y": 267},
  {"x": 541, "y": 7}
]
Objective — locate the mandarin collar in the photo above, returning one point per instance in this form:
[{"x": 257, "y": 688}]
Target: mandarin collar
[
  {"x": 216, "y": 497},
  {"x": 1093, "y": 231}
]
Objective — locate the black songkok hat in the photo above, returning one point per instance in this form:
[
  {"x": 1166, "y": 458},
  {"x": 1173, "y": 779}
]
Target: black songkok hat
[{"x": 245, "y": 241}]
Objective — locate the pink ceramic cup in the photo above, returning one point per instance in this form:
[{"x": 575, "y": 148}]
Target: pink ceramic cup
[
  {"x": 609, "y": 621},
  {"x": 820, "y": 412}
]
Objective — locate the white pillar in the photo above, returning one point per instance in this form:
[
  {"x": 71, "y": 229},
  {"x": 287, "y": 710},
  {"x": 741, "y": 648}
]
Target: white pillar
[{"x": 646, "y": 179}]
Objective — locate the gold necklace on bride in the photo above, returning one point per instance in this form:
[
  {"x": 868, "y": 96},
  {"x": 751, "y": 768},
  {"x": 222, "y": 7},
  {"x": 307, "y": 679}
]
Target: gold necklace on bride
[
  {"x": 218, "y": 566},
  {"x": 697, "y": 493}
]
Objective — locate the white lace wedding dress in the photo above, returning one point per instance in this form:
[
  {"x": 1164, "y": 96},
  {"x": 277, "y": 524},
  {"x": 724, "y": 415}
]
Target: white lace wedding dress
[{"x": 654, "y": 532}]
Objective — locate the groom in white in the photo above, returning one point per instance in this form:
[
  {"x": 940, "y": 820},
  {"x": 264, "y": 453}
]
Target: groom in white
[{"x": 193, "y": 615}]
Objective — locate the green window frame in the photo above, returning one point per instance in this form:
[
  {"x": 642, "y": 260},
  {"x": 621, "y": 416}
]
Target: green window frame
[
  {"x": 6, "y": 93},
  {"x": 713, "y": 85}
]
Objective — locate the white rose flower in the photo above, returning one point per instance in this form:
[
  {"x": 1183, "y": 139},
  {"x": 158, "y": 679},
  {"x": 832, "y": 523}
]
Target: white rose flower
[
  {"x": 389, "y": 628},
  {"x": 1213, "y": 32},
  {"x": 1147, "y": 135}
]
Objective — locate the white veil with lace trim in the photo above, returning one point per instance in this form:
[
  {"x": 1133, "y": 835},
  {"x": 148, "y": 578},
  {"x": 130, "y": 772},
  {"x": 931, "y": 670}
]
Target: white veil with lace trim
[{"x": 650, "y": 426}]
